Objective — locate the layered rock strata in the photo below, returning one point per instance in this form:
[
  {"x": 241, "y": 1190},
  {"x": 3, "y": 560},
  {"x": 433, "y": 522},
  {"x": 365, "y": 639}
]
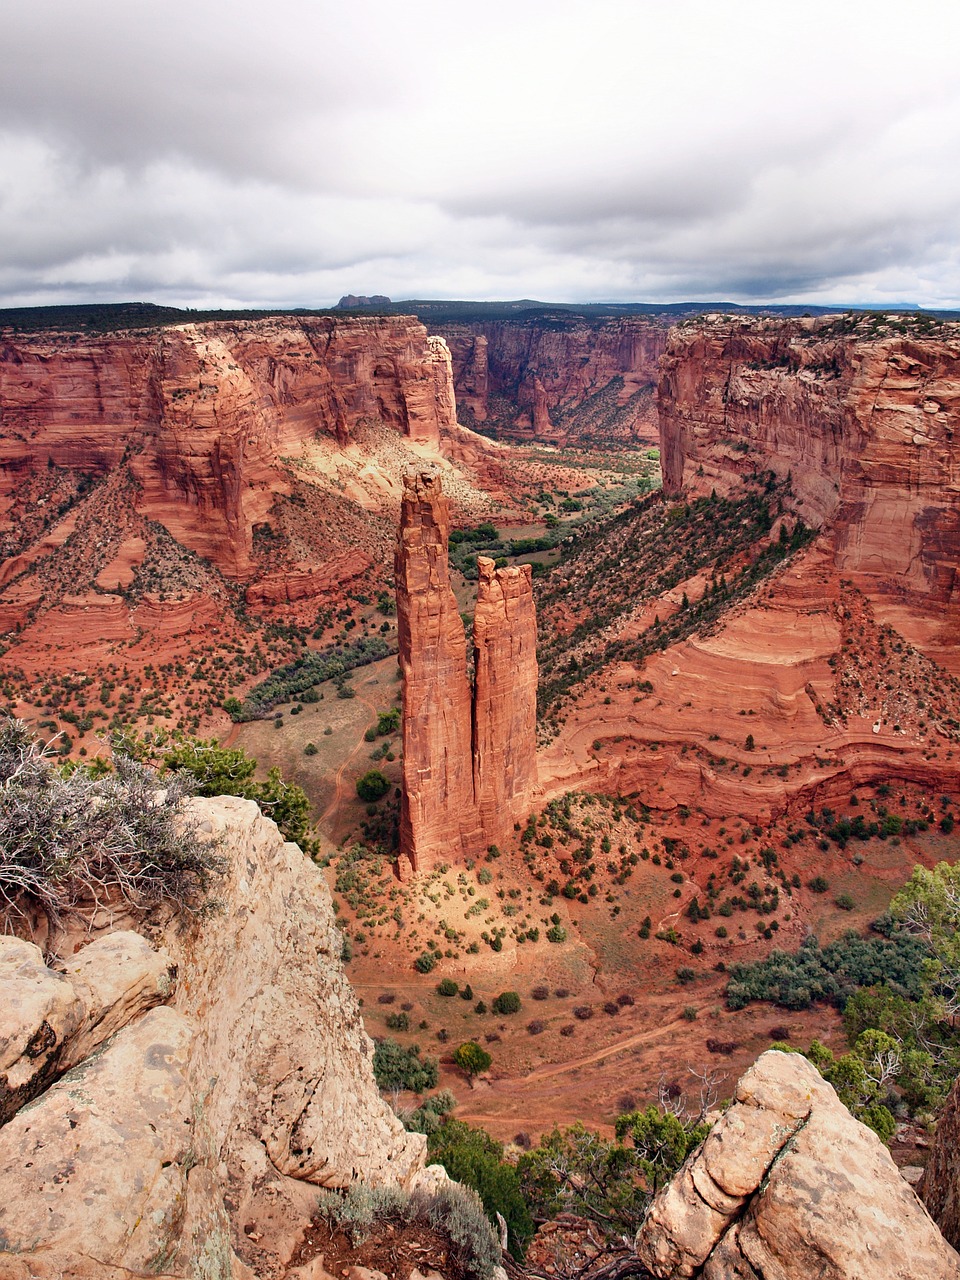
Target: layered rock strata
[
  {"x": 469, "y": 759},
  {"x": 192, "y": 1141},
  {"x": 438, "y": 813},
  {"x": 866, "y": 428},
  {"x": 200, "y": 416},
  {"x": 560, "y": 382},
  {"x": 940, "y": 1185},
  {"x": 788, "y": 1184}
]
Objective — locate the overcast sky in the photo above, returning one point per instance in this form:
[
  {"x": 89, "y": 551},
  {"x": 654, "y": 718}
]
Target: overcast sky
[{"x": 220, "y": 152}]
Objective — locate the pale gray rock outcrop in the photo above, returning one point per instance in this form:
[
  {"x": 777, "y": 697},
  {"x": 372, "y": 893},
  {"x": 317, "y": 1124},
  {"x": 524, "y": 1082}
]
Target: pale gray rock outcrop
[
  {"x": 788, "y": 1186},
  {"x": 52, "y": 1019},
  {"x": 189, "y": 1140}
]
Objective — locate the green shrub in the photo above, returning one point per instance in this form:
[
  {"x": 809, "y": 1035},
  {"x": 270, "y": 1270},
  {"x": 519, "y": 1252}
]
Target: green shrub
[
  {"x": 506, "y": 1002},
  {"x": 425, "y": 962},
  {"x": 469, "y": 1057},
  {"x": 475, "y": 1159},
  {"x": 372, "y": 786},
  {"x": 397, "y": 1068},
  {"x": 447, "y": 987}
]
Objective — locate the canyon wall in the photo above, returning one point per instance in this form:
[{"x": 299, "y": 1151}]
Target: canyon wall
[
  {"x": 559, "y": 382},
  {"x": 178, "y": 1102},
  {"x": 200, "y": 416},
  {"x": 864, "y": 419},
  {"x": 469, "y": 760}
]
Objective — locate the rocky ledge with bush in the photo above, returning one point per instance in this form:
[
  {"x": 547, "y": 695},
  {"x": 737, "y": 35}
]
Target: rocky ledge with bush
[{"x": 178, "y": 1077}]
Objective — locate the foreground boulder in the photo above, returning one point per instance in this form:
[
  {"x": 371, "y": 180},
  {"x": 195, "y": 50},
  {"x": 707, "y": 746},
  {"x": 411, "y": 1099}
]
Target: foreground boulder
[
  {"x": 788, "y": 1186},
  {"x": 188, "y": 1139},
  {"x": 940, "y": 1185}
]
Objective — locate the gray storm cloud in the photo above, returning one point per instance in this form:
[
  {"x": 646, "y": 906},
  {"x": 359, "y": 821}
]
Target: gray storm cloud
[{"x": 213, "y": 153}]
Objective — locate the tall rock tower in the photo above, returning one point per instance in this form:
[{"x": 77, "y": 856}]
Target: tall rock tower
[
  {"x": 469, "y": 760},
  {"x": 505, "y": 696},
  {"x": 438, "y": 814}
]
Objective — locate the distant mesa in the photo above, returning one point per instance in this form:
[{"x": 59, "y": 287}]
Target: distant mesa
[{"x": 351, "y": 301}]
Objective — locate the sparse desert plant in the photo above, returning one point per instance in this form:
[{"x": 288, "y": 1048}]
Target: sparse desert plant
[
  {"x": 71, "y": 839},
  {"x": 506, "y": 1002},
  {"x": 470, "y": 1058}
]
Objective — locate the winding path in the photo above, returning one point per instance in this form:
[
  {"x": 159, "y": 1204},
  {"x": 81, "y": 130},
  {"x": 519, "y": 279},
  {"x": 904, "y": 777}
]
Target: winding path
[{"x": 338, "y": 778}]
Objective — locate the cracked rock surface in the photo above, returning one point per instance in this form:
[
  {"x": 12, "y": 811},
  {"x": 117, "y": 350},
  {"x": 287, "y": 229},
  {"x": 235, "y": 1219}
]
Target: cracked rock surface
[{"x": 787, "y": 1186}]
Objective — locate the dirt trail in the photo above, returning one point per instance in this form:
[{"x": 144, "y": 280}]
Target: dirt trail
[
  {"x": 572, "y": 1064},
  {"x": 338, "y": 779}
]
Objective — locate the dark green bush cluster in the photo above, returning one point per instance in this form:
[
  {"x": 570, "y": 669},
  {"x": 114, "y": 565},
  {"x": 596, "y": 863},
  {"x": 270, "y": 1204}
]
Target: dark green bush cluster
[
  {"x": 472, "y": 1157},
  {"x": 296, "y": 678},
  {"x": 396, "y": 1068},
  {"x": 796, "y": 980}
]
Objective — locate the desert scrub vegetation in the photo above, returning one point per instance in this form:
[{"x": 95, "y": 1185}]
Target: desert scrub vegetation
[
  {"x": 454, "y": 1211},
  {"x": 660, "y": 547},
  {"x": 298, "y": 677},
  {"x": 73, "y": 837},
  {"x": 899, "y": 996}
]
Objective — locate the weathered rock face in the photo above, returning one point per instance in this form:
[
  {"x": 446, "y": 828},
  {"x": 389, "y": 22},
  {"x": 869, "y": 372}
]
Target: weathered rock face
[
  {"x": 940, "y": 1185},
  {"x": 867, "y": 428},
  {"x": 200, "y": 415},
  {"x": 438, "y": 815},
  {"x": 190, "y": 1141},
  {"x": 561, "y": 383},
  {"x": 788, "y": 1184},
  {"x": 469, "y": 761},
  {"x": 505, "y": 696}
]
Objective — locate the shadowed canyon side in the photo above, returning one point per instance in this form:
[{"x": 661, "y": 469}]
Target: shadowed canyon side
[
  {"x": 864, "y": 421},
  {"x": 559, "y": 381},
  {"x": 469, "y": 762}
]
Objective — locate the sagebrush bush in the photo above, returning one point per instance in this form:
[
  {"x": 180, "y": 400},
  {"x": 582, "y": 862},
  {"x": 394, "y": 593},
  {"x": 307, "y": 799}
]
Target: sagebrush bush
[
  {"x": 453, "y": 1210},
  {"x": 69, "y": 838}
]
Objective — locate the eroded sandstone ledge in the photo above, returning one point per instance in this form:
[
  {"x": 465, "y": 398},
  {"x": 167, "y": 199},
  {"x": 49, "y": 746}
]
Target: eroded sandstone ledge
[{"x": 156, "y": 1135}]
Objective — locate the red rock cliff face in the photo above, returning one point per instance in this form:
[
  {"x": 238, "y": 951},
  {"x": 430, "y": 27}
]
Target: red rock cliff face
[
  {"x": 573, "y": 381},
  {"x": 505, "y": 696},
  {"x": 438, "y": 815},
  {"x": 469, "y": 764},
  {"x": 200, "y": 415},
  {"x": 866, "y": 426}
]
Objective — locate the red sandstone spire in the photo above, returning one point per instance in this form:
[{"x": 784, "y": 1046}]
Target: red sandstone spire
[
  {"x": 437, "y": 811},
  {"x": 505, "y": 697},
  {"x": 467, "y": 769}
]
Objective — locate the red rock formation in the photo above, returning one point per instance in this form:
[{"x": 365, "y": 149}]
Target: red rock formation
[
  {"x": 201, "y": 415},
  {"x": 438, "y": 815},
  {"x": 866, "y": 427},
  {"x": 505, "y": 697},
  {"x": 468, "y": 770},
  {"x": 563, "y": 382}
]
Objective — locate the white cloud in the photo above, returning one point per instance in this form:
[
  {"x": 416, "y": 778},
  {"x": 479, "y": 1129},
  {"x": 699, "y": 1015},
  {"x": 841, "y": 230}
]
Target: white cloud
[{"x": 212, "y": 152}]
